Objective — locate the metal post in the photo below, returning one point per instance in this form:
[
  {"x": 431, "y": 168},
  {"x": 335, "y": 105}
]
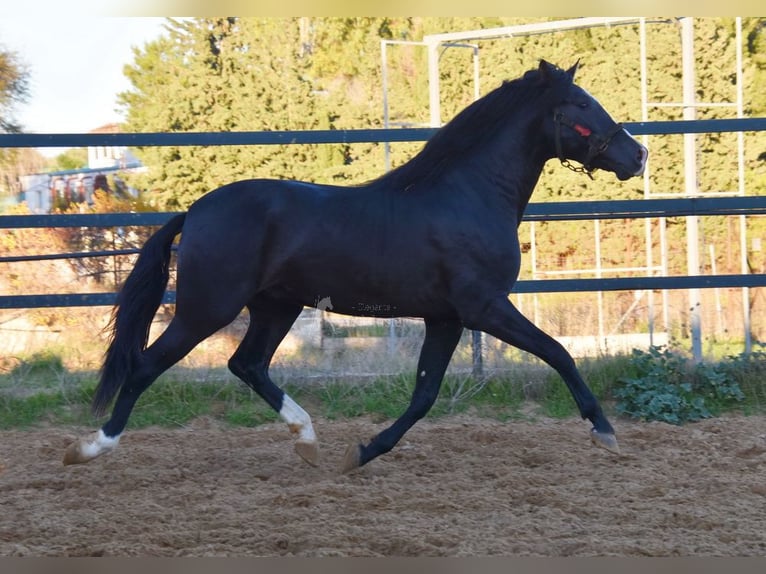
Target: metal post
[
  {"x": 478, "y": 360},
  {"x": 599, "y": 275},
  {"x": 384, "y": 81},
  {"x": 476, "y": 78},
  {"x": 744, "y": 268},
  {"x": 647, "y": 189},
  {"x": 434, "y": 103},
  {"x": 716, "y": 293},
  {"x": 690, "y": 182},
  {"x": 477, "y": 336},
  {"x": 391, "y": 337},
  {"x": 533, "y": 258},
  {"x": 391, "y": 346}
]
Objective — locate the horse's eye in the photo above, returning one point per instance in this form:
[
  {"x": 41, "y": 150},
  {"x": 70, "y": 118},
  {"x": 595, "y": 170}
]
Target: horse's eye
[{"x": 583, "y": 105}]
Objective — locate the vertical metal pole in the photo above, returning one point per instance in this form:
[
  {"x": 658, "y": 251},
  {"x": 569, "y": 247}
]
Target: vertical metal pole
[
  {"x": 477, "y": 336},
  {"x": 716, "y": 292},
  {"x": 690, "y": 182},
  {"x": 647, "y": 188},
  {"x": 744, "y": 269},
  {"x": 434, "y": 103},
  {"x": 533, "y": 257},
  {"x": 478, "y": 360},
  {"x": 600, "y": 294},
  {"x": 391, "y": 337},
  {"x": 384, "y": 81},
  {"x": 387, "y": 153},
  {"x": 476, "y": 79}
]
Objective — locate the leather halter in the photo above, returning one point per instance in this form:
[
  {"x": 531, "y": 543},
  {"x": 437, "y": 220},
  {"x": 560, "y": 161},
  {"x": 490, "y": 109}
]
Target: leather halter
[{"x": 597, "y": 144}]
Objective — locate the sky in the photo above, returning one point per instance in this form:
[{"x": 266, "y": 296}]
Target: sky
[{"x": 75, "y": 66}]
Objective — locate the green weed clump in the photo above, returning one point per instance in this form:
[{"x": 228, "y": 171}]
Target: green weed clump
[
  {"x": 669, "y": 387},
  {"x": 748, "y": 371},
  {"x": 39, "y": 364}
]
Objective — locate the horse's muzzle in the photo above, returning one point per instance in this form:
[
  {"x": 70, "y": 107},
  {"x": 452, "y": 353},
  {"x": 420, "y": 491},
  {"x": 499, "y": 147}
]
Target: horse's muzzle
[{"x": 643, "y": 155}]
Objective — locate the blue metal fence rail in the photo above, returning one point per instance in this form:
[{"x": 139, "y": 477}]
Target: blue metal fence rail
[
  {"x": 550, "y": 211},
  {"x": 333, "y": 136},
  {"x": 585, "y": 210}
]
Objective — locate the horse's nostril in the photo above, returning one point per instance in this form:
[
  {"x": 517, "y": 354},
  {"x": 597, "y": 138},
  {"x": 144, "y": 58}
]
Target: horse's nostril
[{"x": 643, "y": 154}]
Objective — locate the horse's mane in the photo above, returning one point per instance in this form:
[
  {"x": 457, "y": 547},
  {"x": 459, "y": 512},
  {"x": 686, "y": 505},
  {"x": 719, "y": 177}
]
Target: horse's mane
[{"x": 474, "y": 126}]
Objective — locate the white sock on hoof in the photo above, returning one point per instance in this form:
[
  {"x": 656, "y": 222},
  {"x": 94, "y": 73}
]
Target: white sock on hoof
[
  {"x": 99, "y": 445},
  {"x": 297, "y": 419},
  {"x": 88, "y": 448}
]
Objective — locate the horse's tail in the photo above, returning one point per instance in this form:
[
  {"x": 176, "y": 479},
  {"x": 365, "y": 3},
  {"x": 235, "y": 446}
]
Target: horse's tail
[{"x": 136, "y": 304}]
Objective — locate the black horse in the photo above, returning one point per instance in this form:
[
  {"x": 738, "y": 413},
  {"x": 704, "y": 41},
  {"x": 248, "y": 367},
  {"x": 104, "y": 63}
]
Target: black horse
[{"x": 435, "y": 238}]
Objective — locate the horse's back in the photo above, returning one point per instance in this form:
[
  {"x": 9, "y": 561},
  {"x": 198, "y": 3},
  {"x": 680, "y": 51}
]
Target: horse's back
[{"x": 252, "y": 197}]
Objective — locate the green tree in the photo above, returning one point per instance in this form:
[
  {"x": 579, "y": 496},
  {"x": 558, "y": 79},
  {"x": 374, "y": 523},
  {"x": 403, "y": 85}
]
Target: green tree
[
  {"x": 74, "y": 158},
  {"x": 14, "y": 89}
]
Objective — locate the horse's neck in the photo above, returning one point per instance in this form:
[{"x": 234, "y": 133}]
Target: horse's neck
[{"x": 514, "y": 168}]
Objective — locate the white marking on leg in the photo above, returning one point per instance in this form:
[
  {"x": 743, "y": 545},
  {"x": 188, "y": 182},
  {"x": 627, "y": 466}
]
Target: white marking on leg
[
  {"x": 90, "y": 447},
  {"x": 297, "y": 419},
  {"x": 99, "y": 445}
]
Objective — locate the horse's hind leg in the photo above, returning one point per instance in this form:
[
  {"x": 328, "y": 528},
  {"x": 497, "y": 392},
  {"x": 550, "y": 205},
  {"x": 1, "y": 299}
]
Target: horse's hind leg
[
  {"x": 441, "y": 339},
  {"x": 270, "y": 321},
  {"x": 169, "y": 348}
]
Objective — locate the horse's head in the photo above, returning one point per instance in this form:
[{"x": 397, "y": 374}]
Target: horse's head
[{"x": 581, "y": 130}]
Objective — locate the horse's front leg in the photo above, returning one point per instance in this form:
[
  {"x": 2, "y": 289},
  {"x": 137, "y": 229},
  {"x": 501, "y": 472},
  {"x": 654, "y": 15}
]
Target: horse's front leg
[
  {"x": 501, "y": 319},
  {"x": 440, "y": 341}
]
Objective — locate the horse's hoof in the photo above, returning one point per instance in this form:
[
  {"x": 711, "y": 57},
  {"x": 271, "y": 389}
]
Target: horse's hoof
[
  {"x": 352, "y": 459},
  {"x": 605, "y": 440},
  {"x": 308, "y": 451},
  {"x": 88, "y": 448},
  {"x": 74, "y": 454}
]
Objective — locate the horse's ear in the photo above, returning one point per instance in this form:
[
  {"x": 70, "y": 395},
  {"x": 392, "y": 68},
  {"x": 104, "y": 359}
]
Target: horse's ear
[
  {"x": 546, "y": 70},
  {"x": 573, "y": 70}
]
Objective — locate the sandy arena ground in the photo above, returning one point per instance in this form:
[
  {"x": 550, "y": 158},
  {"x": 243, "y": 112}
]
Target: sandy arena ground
[{"x": 460, "y": 486}]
